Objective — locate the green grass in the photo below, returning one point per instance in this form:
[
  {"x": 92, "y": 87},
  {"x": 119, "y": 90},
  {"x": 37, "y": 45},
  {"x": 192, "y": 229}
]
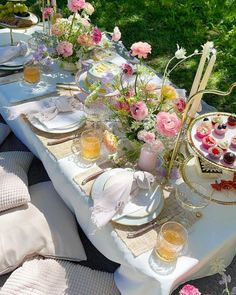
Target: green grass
[{"x": 164, "y": 23}]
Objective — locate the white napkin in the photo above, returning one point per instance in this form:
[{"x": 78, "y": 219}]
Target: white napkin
[
  {"x": 121, "y": 189},
  {"x": 9, "y": 52}
]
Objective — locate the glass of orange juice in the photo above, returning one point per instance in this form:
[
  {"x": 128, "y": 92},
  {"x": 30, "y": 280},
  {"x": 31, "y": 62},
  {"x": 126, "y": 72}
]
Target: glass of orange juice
[
  {"x": 171, "y": 241},
  {"x": 31, "y": 73},
  {"x": 90, "y": 144}
]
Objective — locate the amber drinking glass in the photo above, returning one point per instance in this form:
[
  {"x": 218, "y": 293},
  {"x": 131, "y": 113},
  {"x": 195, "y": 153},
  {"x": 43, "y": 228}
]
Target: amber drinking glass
[
  {"x": 90, "y": 144},
  {"x": 31, "y": 73}
]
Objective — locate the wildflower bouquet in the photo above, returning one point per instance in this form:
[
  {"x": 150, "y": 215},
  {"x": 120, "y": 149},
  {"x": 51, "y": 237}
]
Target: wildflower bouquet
[{"x": 76, "y": 36}]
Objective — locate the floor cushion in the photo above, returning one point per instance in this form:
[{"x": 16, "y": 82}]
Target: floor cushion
[
  {"x": 43, "y": 227},
  {"x": 55, "y": 277}
]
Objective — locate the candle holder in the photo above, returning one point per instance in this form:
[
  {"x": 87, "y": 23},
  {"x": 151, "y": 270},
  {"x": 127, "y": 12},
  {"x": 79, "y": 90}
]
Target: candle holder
[{"x": 186, "y": 121}]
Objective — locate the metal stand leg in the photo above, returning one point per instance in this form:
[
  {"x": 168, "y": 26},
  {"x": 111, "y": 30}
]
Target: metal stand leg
[{"x": 11, "y": 36}]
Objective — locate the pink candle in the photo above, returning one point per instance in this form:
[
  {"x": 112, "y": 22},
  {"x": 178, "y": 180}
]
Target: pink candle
[{"x": 147, "y": 159}]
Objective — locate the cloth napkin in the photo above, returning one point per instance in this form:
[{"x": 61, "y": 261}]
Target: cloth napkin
[
  {"x": 120, "y": 190},
  {"x": 9, "y": 52}
]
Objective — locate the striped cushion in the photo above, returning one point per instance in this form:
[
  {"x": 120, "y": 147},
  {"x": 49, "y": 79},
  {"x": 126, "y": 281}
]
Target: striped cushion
[
  {"x": 40, "y": 276},
  {"x": 13, "y": 179}
]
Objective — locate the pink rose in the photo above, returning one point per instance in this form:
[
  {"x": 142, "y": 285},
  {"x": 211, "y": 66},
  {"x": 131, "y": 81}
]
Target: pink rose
[
  {"x": 116, "y": 34},
  {"x": 47, "y": 12},
  {"x": 65, "y": 48},
  {"x": 128, "y": 69},
  {"x": 139, "y": 111},
  {"x": 97, "y": 35},
  {"x": 146, "y": 136},
  {"x": 75, "y": 5},
  {"x": 180, "y": 105},
  {"x": 85, "y": 39},
  {"x": 167, "y": 124},
  {"x": 88, "y": 8},
  {"x": 141, "y": 49},
  {"x": 189, "y": 290}
]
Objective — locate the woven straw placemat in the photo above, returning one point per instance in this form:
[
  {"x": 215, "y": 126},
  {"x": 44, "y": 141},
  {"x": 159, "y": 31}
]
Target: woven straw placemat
[{"x": 145, "y": 242}]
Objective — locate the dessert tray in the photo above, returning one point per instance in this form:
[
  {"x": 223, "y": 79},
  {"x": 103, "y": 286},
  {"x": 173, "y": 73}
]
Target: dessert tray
[{"x": 212, "y": 137}]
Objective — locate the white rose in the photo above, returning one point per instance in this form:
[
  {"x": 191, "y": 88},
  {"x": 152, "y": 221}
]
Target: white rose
[{"x": 116, "y": 34}]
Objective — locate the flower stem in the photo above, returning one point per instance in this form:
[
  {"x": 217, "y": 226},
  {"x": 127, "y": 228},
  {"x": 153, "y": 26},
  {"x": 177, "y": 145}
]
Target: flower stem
[
  {"x": 136, "y": 79},
  {"x": 73, "y": 19}
]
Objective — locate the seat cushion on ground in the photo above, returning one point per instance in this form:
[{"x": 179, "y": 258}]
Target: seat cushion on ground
[
  {"x": 4, "y": 131},
  {"x": 13, "y": 179},
  {"x": 43, "y": 227},
  {"x": 53, "y": 277}
]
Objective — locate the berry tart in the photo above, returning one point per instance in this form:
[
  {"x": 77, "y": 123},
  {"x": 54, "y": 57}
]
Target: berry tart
[
  {"x": 215, "y": 152},
  {"x": 208, "y": 142},
  {"x": 220, "y": 129},
  {"x": 232, "y": 121},
  {"x": 229, "y": 158},
  {"x": 202, "y": 131},
  {"x": 206, "y": 122}
]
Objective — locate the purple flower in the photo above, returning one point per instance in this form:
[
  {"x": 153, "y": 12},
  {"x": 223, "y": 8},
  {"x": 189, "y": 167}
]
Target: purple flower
[
  {"x": 225, "y": 279},
  {"x": 233, "y": 292},
  {"x": 42, "y": 48},
  {"x": 47, "y": 61},
  {"x": 37, "y": 55}
]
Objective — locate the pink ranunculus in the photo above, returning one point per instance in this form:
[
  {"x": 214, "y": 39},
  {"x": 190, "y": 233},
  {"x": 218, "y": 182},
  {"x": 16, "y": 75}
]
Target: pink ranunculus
[
  {"x": 116, "y": 34},
  {"x": 189, "y": 290},
  {"x": 85, "y": 40},
  {"x": 75, "y": 5},
  {"x": 47, "y": 12},
  {"x": 141, "y": 49},
  {"x": 139, "y": 111},
  {"x": 57, "y": 30},
  {"x": 168, "y": 124},
  {"x": 146, "y": 136},
  {"x": 128, "y": 69},
  {"x": 97, "y": 35},
  {"x": 65, "y": 48},
  {"x": 180, "y": 105},
  {"x": 88, "y": 8}
]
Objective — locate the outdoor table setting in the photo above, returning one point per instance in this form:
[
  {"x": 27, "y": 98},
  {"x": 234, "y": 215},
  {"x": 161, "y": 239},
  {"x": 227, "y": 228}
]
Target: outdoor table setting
[{"x": 151, "y": 182}]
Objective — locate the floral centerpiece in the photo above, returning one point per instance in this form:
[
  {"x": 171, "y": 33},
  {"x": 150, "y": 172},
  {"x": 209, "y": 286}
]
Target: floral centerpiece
[
  {"x": 148, "y": 111},
  {"x": 76, "y": 36}
]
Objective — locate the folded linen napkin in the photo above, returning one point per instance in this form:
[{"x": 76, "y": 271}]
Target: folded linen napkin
[
  {"x": 9, "y": 52},
  {"x": 120, "y": 189}
]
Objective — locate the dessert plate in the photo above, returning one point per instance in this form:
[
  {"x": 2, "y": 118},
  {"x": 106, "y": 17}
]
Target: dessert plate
[
  {"x": 145, "y": 207},
  {"x": 34, "y": 19},
  {"x": 196, "y": 143},
  {"x": 81, "y": 80},
  {"x": 192, "y": 178}
]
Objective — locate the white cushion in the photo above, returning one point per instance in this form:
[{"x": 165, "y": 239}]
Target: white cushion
[
  {"x": 53, "y": 277},
  {"x": 44, "y": 227},
  {"x": 4, "y": 131},
  {"x": 13, "y": 179}
]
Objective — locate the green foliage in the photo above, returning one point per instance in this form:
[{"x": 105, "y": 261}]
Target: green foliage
[{"x": 164, "y": 23}]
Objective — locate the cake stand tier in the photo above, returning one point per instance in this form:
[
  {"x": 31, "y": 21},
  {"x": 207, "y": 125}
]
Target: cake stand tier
[
  {"x": 191, "y": 178},
  {"x": 196, "y": 143}
]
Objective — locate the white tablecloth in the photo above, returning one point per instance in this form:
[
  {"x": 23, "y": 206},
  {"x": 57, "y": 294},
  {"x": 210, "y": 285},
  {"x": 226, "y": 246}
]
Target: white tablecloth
[{"x": 212, "y": 238}]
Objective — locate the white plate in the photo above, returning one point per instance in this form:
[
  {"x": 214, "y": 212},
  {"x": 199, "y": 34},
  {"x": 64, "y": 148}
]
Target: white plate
[
  {"x": 81, "y": 82},
  {"x": 153, "y": 200}
]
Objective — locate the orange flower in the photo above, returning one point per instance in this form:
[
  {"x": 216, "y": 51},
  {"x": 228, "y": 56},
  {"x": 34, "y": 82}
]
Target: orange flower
[{"x": 85, "y": 39}]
